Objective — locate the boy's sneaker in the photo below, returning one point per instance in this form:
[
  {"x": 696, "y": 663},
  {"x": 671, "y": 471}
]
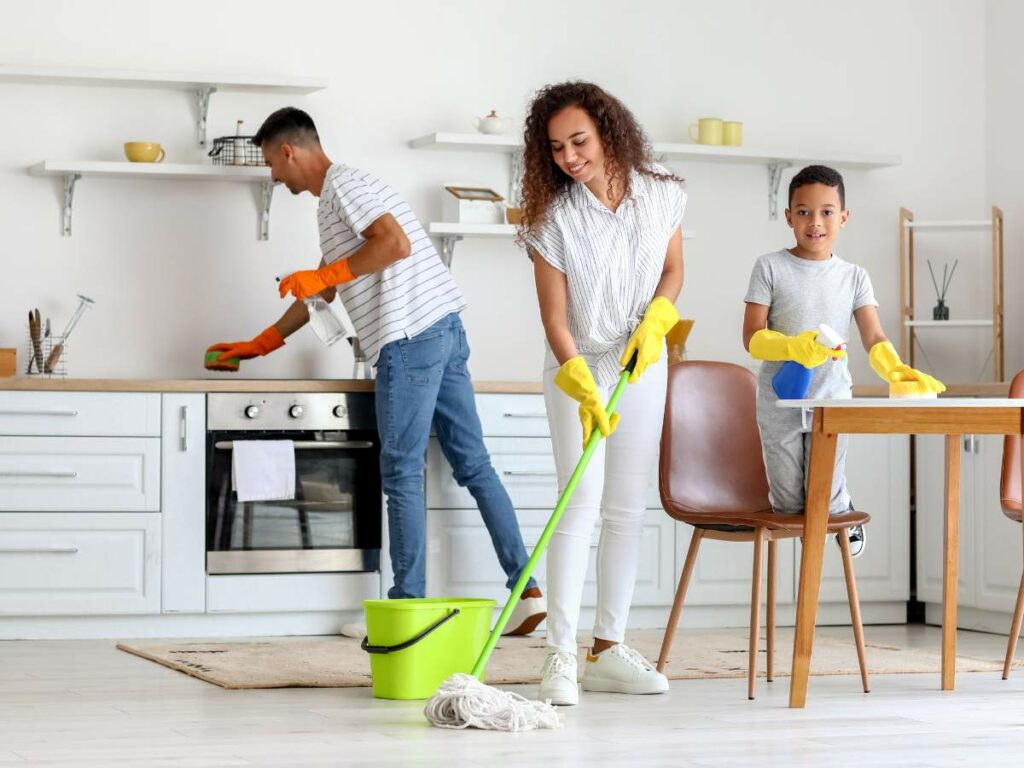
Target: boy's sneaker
[
  {"x": 620, "y": 669},
  {"x": 558, "y": 680},
  {"x": 857, "y": 538},
  {"x": 531, "y": 609}
]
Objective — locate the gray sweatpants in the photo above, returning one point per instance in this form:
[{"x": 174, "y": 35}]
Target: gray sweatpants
[{"x": 786, "y": 447}]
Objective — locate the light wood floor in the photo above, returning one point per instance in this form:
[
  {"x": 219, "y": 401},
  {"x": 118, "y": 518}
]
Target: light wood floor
[{"x": 83, "y": 703}]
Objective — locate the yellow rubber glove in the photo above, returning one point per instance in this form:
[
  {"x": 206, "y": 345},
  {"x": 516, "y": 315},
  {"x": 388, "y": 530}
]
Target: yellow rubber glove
[
  {"x": 649, "y": 337},
  {"x": 803, "y": 349},
  {"x": 887, "y": 364},
  {"x": 574, "y": 378},
  {"x": 309, "y": 282}
]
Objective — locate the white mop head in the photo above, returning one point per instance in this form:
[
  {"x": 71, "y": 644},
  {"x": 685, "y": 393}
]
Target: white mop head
[{"x": 462, "y": 701}]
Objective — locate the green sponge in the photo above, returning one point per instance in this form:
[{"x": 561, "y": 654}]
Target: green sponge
[{"x": 211, "y": 363}]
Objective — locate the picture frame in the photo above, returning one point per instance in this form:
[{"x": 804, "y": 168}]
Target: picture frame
[{"x": 475, "y": 193}]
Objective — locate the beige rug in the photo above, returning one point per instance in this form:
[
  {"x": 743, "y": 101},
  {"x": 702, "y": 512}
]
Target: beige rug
[{"x": 338, "y": 662}]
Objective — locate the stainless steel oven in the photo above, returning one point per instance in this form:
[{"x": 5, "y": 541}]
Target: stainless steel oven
[{"x": 334, "y": 522}]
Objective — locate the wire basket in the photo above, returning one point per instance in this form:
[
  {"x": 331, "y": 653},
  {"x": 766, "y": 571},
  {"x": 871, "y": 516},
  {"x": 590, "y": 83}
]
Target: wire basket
[
  {"x": 235, "y": 150},
  {"x": 48, "y": 359}
]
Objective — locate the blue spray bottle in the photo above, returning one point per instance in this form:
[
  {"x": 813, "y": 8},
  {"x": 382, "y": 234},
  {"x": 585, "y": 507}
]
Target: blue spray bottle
[{"x": 792, "y": 380}]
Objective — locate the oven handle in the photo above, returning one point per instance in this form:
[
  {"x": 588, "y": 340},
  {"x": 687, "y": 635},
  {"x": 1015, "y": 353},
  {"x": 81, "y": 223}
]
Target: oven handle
[{"x": 227, "y": 445}]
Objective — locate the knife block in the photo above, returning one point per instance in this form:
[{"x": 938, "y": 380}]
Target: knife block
[
  {"x": 54, "y": 360},
  {"x": 8, "y": 363}
]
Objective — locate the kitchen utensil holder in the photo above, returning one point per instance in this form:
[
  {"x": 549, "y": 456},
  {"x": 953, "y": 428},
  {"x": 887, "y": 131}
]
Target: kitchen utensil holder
[
  {"x": 47, "y": 345},
  {"x": 226, "y": 149}
]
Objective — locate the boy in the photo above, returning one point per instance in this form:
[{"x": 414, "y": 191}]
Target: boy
[{"x": 791, "y": 292}]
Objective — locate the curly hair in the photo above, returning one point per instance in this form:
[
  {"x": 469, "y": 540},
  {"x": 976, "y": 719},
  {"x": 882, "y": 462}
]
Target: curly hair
[{"x": 626, "y": 147}]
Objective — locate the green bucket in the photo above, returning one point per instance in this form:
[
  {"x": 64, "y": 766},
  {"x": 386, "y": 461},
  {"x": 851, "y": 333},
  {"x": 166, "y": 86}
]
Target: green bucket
[{"x": 415, "y": 644}]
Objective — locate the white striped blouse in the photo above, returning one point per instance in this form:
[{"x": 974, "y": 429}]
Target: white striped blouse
[
  {"x": 401, "y": 300},
  {"x": 612, "y": 260}
]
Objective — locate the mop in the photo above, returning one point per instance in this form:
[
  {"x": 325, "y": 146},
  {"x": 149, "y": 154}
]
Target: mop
[{"x": 464, "y": 701}]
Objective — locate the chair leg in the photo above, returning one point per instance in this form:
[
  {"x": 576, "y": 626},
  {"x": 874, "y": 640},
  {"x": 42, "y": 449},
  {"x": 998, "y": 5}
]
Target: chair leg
[
  {"x": 755, "y": 610},
  {"x": 1018, "y": 615},
  {"x": 770, "y": 629},
  {"x": 851, "y": 592},
  {"x": 677, "y": 604}
]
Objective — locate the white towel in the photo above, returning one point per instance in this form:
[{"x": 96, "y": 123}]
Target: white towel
[{"x": 263, "y": 470}]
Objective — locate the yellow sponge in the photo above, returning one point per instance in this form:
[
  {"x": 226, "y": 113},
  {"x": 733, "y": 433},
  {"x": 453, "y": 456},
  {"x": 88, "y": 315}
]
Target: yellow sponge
[{"x": 909, "y": 390}]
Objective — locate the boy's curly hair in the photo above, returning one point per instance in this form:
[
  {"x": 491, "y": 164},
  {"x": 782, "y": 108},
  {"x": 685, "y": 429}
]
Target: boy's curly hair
[{"x": 626, "y": 147}]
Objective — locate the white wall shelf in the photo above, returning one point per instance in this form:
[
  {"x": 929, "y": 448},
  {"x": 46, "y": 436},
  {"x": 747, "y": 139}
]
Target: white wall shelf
[
  {"x": 945, "y": 225},
  {"x": 203, "y": 84},
  {"x": 948, "y": 323},
  {"x": 451, "y": 232},
  {"x": 73, "y": 170},
  {"x": 776, "y": 161}
]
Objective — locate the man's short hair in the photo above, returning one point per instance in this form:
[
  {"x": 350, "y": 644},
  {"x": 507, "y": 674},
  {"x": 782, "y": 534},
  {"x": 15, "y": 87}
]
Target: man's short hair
[
  {"x": 287, "y": 126},
  {"x": 818, "y": 174}
]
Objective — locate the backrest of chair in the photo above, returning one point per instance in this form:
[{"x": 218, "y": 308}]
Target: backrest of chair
[
  {"x": 1009, "y": 483},
  {"x": 711, "y": 462}
]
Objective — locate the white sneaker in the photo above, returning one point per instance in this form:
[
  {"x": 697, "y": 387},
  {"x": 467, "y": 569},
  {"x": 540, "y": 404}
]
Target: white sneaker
[
  {"x": 558, "y": 680},
  {"x": 620, "y": 669},
  {"x": 528, "y": 613}
]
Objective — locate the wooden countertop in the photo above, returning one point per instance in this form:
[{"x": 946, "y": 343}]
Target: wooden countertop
[{"x": 225, "y": 384}]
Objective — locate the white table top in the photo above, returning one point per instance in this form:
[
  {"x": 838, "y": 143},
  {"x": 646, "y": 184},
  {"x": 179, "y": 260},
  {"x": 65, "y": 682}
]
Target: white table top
[{"x": 894, "y": 402}]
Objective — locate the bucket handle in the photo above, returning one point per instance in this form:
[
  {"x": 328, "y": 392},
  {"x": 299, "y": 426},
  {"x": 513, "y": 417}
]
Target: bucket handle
[{"x": 365, "y": 645}]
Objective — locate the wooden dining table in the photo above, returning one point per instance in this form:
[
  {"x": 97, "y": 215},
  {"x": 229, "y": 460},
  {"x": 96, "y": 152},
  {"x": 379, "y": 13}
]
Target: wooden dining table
[{"x": 952, "y": 417}]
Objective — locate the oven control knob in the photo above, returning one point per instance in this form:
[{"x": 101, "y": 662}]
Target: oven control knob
[
  {"x": 252, "y": 411},
  {"x": 295, "y": 411},
  {"x": 340, "y": 411}
]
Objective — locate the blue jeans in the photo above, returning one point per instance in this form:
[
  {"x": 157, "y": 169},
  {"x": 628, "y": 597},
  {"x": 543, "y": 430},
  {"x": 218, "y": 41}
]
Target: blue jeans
[{"x": 420, "y": 381}]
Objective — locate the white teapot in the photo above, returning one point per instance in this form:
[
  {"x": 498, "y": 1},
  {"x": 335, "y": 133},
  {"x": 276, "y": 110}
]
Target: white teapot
[{"x": 492, "y": 123}]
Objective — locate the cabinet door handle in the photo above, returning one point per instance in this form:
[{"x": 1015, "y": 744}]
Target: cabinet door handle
[
  {"x": 967, "y": 443},
  {"x": 38, "y": 550},
  {"x": 39, "y": 473},
  {"x": 183, "y": 427},
  {"x": 515, "y": 415},
  {"x": 37, "y": 412},
  {"x": 528, "y": 473}
]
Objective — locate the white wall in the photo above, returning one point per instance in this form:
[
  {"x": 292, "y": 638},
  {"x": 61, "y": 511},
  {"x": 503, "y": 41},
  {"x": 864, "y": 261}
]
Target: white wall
[
  {"x": 175, "y": 266},
  {"x": 1004, "y": 115}
]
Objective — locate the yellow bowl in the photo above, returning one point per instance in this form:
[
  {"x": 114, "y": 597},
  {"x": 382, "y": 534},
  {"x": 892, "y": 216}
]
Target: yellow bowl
[{"x": 144, "y": 151}]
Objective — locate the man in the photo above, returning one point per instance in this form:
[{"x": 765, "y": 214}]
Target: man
[{"x": 405, "y": 307}]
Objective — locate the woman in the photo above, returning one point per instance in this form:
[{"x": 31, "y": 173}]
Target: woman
[{"x": 601, "y": 223}]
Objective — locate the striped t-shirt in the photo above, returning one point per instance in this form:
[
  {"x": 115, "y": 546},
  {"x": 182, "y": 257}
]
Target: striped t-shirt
[
  {"x": 401, "y": 300},
  {"x": 612, "y": 260}
]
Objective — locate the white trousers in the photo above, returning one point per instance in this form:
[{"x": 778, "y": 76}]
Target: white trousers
[{"x": 614, "y": 487}]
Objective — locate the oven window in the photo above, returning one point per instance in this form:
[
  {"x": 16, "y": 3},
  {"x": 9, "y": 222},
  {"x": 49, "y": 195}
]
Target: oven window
[{"x": 336, "y": 505}]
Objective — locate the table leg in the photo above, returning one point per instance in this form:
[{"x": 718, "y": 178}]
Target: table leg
[
  {"x": 819, "y": 494},
  {"x": 951, "y": 555}
]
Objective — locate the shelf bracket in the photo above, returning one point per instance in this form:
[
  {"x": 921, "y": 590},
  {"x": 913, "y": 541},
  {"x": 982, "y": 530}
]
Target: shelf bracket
[
  {"x": 69, "y": 199},
  {"x": 266, "y": 195},
  {"x": 203, "y": 99},
  {"x": 448, "y": 249},
  {"x": 774, "y": 179}
]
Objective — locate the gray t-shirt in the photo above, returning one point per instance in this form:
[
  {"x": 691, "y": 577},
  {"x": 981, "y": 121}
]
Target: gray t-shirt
[{"x": 801, "y": 294}]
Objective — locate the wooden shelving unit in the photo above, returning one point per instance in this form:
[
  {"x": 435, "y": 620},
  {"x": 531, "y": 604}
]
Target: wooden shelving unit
[{"x": 909, "y": 325}]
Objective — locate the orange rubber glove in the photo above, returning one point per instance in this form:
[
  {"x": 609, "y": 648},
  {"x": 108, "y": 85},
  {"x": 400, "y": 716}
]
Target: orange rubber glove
[
  {"x": 263, "y": 344},
  {"x": 575, "y": 379},
  {"x": 649, "y": 338},
  {"x": 309, "y": 282}
]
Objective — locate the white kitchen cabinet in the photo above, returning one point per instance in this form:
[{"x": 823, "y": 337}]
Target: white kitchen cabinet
[
  {"x": 79, "y": 563},
  {"x": 990, "y": 543},
  {"x": 183, "y": 503},
  {"x": 70, "y": 414}
]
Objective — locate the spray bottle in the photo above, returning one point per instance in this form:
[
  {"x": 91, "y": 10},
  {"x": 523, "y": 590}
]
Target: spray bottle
[{"x": 792, "y": 380}]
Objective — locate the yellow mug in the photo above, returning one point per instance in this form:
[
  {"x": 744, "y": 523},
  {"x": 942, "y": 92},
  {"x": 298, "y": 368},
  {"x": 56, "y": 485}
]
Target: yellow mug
[
  {"x": 709, "y": 130},
  {"x": 732, "y": 133},
  {"x": 144, "y": 151}
]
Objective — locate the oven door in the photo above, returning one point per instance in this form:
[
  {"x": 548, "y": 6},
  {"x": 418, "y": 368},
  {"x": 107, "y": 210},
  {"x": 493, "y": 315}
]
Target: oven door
[{"x": 333, "y": 523}]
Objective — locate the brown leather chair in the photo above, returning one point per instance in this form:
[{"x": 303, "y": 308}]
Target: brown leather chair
[
  {"x": 712, "y": 476},
  {"x": 1010, "y": 498}
]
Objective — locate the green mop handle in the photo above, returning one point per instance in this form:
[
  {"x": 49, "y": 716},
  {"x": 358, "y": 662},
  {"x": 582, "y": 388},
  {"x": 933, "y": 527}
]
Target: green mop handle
[{"x": 549, "y": 529}]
